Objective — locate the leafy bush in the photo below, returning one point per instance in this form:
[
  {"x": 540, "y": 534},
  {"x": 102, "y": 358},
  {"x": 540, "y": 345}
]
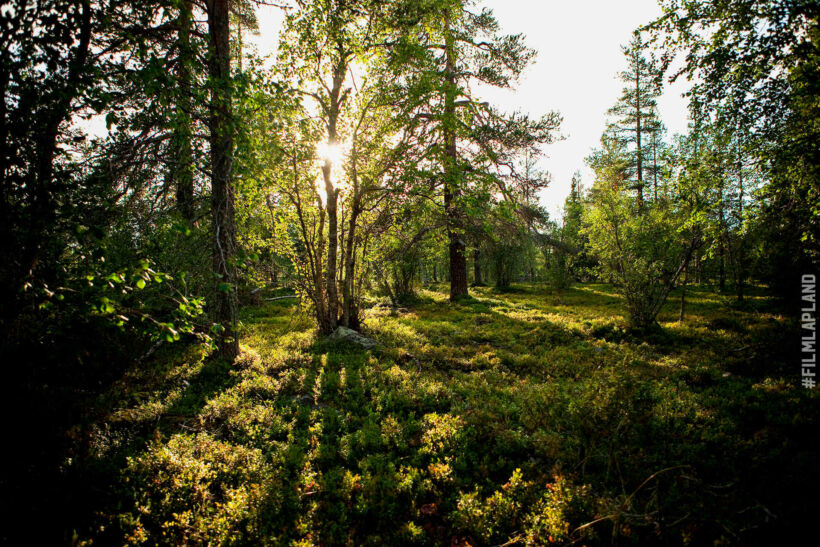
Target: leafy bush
[
  {"x": 196, "y": 489},
  {"x": 643, "y": 249}
]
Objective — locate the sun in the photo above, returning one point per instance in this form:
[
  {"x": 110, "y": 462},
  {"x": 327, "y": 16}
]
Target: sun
[{"x": 334, "y": 153}]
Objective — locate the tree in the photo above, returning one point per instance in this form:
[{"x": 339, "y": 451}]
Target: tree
[
  {"x": 508, "y": 235},
  {"x": 182, "y": 169},
  {"x": 715, "y": 159},
  {"x": 83, "y": 218},
  {"x": 243, "y": 18},
  {"x": 530, "y": 210},
  {"x": 644, "y": 253},
  {"x": 569, "y": 260},
  {"x": 33, "y": 116},
  {"x": 755, "y": 65},
  {"x": 457, "y": 49},
  {"x": 350, "y": 113},
  {"x": 635, "y": 111},
  {"x": 643, "y": 246},
  {"x": 222, "y": 192},
  {"x": 102, "y": 199}
]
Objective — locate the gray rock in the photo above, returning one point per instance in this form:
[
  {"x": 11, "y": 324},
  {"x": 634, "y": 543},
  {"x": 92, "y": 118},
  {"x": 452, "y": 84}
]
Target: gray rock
[
  {"x": 305, "y": 400},
  {"x": 353, "y": 337},
  {"x": 308, "y": 400}
]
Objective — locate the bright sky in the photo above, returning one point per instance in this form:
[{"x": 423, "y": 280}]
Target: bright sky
[{"x": 579, "y": 56}]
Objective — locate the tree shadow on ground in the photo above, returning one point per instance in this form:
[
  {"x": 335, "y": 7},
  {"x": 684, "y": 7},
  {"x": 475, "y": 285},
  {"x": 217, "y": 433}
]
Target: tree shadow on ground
[{"x": 382, "y": 446}]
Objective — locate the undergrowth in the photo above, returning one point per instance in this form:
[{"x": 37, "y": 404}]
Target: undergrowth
[{"x": 527, "y": 417}]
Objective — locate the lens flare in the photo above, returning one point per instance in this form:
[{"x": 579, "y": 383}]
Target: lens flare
[{"x": 334, "y": 153}]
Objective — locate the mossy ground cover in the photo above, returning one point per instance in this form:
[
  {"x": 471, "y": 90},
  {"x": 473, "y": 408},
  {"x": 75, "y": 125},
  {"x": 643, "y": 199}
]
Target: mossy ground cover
[{"x": 518, "y": 417}]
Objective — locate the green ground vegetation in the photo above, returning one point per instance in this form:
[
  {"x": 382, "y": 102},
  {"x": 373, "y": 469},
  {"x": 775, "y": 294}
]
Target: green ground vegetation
[{"x": 518, "y": 417}]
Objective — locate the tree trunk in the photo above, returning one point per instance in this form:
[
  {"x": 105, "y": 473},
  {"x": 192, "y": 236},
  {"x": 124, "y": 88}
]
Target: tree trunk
[
  {"x": 42, "y": 206},
  {"x": 741, "y": 258},
  {"x": 683, "y": 294},
  {"x": 224, "y": 224},
  {"x": 458, "y": 260},
  {"x": 24, "y": 252},
  {"x": 477, "y": 278},
  {"x": 183, "y": 167},
  {"x": 332, "y": 310},
  {"x": 721, "y": 238},
  {"x": 349, "y": 312},
  {"x": 655, "y": 163},
  {"x": 638, "y": 135},
  {"x": 721, "y": 265}
]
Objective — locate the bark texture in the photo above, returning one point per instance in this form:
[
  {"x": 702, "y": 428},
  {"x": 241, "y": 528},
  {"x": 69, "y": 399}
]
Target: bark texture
[{"x": 222, "y": 199}]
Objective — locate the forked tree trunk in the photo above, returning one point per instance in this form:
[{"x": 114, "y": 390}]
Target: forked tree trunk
[{"x": 332, "y": 310}]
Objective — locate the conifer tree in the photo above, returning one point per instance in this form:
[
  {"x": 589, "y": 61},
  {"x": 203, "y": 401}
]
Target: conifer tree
[
  {"x": 634, "y": 113},
  {"x": 182, "y": 170},
  {"x": 222, "y": 195},
  {"x": 478, "y": 146}
]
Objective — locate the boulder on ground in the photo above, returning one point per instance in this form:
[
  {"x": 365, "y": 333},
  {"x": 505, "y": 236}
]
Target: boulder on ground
[{"x": 353, "y": 337}]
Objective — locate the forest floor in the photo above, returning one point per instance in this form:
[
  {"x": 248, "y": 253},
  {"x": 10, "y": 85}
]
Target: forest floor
[{"x": 524, "y": 416}]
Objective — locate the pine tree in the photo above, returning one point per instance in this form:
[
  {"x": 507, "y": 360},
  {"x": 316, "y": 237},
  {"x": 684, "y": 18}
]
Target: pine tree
[
  {"x": 634, "y": 113},
  {"x": 222, "y": 198},
  {"x": 478, "y": 146},
  {"x": 182, "y": 170}
]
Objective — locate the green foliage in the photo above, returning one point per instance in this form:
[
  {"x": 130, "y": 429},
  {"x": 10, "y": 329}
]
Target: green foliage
[
  {"x": 568, "y": 259},
  {"x": 359, "y": 165},
  {"x": 214, "y": 489},
  {"x": 499, "y": 418},
  {"x": 755, "y": 67},
  {"x": 643, "y": 251}
]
